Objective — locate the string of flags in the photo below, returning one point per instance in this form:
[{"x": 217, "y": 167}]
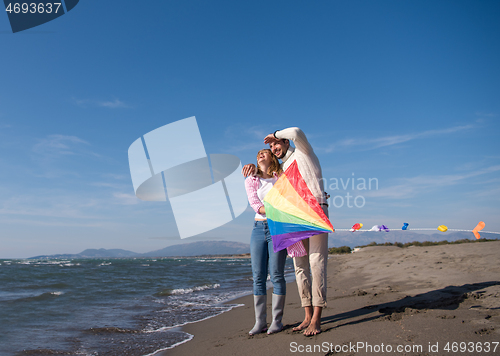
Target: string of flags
[{"x": 443, "y": 228}]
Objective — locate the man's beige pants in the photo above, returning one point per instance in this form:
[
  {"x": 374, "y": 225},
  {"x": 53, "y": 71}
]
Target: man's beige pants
[{"x": 310, "y": 270}]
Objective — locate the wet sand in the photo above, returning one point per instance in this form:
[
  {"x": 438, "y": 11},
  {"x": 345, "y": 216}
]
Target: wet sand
[{"x": 437, "y": 300}]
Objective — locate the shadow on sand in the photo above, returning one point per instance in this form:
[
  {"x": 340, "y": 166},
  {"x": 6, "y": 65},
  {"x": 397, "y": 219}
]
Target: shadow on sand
[{"x": 448, "y": 298}]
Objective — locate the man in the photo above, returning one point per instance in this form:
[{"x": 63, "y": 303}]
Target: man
[{"x": 312, "y": 291}]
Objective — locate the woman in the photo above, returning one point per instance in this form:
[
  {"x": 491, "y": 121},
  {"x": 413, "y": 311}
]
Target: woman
[{"x": 261, "y": 247}]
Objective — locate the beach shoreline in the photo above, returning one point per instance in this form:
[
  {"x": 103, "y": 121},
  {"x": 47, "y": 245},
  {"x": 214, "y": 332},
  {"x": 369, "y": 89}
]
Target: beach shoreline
[{"x": 420, "y": 299}]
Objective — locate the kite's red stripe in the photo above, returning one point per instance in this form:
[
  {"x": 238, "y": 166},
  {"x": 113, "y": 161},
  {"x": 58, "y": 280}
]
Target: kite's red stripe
[{"x": 295, "y": 178}]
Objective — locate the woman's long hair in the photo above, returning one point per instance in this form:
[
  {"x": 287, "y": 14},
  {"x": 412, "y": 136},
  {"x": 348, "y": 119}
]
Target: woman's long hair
[{"x": 275, "y": 166}]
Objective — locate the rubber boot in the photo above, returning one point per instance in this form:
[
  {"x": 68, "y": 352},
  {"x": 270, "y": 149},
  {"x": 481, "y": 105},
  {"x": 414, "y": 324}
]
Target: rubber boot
[
  {"x": 278, "y": 306},
  {"x": 260, "y": 326}
]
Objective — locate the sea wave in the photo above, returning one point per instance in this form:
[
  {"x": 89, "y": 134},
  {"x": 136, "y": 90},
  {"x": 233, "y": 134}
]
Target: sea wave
[
  {"x": 195, "y": 289},
  {"x": 189, "y": 338},
  {"x": 39, "y": 297},
  {"x": 216, "y": 310},
  {"x": 180, "y": 291},
  {"x": 111, "y": 329}
]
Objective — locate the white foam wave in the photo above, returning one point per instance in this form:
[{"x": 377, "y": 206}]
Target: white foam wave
[
  {"x": 190, "y": 337},
  {"x": 165, "y": 328},
  {"x": 55, "y": 263},
  {"x": 194, "y": 289}
]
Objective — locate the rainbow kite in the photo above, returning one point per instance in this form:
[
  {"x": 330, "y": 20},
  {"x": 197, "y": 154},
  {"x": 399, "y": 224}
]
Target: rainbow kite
[{"x": 293, "y": 213}]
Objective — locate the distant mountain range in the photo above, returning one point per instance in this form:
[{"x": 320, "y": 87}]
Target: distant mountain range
[{"x": 199, "y": 248}]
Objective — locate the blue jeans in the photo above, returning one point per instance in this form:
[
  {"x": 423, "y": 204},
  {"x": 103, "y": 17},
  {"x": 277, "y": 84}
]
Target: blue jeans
[{"x": 264, "y": 260}]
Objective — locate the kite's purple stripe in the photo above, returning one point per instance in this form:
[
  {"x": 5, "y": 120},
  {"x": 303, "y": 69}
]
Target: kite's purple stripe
[{"x": 281, "y": 242}]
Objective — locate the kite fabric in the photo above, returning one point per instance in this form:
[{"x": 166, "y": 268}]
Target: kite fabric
[
  {"x": 293, "y": 213},
  {"x": 356, "y": 227},
  {"x": 478, "y": 228}
]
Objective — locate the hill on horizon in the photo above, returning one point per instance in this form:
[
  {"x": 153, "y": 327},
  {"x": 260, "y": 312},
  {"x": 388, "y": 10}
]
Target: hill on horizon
[{"x": 198, "y": 248}]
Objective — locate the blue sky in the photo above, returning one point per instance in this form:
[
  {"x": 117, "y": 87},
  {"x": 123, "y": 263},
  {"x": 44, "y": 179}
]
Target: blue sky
[{"x": 404, "y": 92}]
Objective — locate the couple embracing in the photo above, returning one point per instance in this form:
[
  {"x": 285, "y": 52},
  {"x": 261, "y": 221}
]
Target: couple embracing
[{"x": 310, "y": 265}]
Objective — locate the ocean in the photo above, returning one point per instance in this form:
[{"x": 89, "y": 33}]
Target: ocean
[{"x": 113, "y": 307}]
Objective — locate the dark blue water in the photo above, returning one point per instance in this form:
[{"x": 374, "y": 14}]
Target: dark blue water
[{"x": 112, "y": 306}]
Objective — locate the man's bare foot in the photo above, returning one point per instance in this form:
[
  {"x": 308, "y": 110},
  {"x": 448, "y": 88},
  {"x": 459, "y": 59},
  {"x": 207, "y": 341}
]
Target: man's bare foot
[
  {"x": 314, "y": 328},
  {"x": 309, "y": 311},
  {"x": 303, "y": 325}
]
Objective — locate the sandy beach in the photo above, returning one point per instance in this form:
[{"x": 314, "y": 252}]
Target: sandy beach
[{"x": 437, "y": 300}]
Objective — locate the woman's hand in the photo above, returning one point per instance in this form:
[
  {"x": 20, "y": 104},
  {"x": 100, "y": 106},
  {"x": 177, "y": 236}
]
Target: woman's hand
[{"x": 262, "y": 210}]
